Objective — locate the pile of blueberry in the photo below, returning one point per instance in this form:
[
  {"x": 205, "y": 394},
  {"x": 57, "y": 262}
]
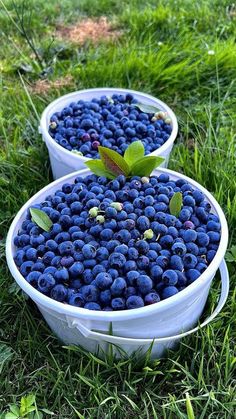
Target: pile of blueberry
[
  {"x": 110, "y": 122},
  {"x": 114, "y": 245}
]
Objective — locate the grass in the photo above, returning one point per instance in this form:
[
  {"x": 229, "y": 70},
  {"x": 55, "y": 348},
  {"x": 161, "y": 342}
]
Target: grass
[{"x": 165, "y": 50}]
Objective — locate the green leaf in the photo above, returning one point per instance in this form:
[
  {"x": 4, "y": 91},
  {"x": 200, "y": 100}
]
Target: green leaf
[
  {"x": 41, "y": 218},
  {"x": 48, "y": 412},
  {"x": 146, "y": 165},
  {"x": 189, "y": 407},
  {"x": 175, "y": 204},
  {"x": 113, "y": 162},
  {"x": 98, "y": 168},
  {"x": 15, "y": 409},
  {"x": 11, "y": 416},
  {"x": 147, "y": 108},
  {"x": 134, "y": 152}
]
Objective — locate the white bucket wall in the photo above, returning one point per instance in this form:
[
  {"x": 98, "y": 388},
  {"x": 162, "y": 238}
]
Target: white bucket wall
[
  {"x": 64, "y": 161},
  {"x": 162, "y": 321}
]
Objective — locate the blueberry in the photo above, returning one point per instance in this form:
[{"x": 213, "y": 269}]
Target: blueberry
[
  {"x": 90, "y": 293},
  {"x": 203, "y": 239},
  {"x": 76, "y": 299},
  {"x": 103, "y": 280},
  {"x": 190, "y": 236},
  {"x": 102, "y": 254},
  {"x": 132, "y": 277},
  {"x": 166, "y": 241},
  {"x": 213, "y": 226},
  {"x": 59, "y": 293},
  {"x": 118, "y": 303},
  {"x": 76, "y": 269},
  {"x": 19, "y": 257},
  {"x": 162, "y": 261},
  {"x": 92, "y": 306},
  {"x": 176, "y": 263},
  {"x": 48, "y": 257},
  {"x": 179, "y": 248},
  {"x": 192, "y": 275},
  {"x": 26, "y": 267},
  {"x": 189, "y": 260},
  {"x": 192, "y": 248},
  {"x": 144, "y": 284},
  {"x": 117, "y": 260},
  {"x": 134, "y": 301},
  {"x": 45, "y": 283},
  {"x": 142, "y": 246},
  {"x": 61, "y": 275},
  {"x": 33, "y": 277},
  {"x": 105, "y": 297},
  {"x": 118, "y": 287},
  {"x": 169, "y": 291},
  {"x": 184, "y": 215},
  {"x": 151, "y": 298},
  {"x": 170, "y": 277},
  {"x": 182, "y": 280},
  {"x": 89, "y": 251},
  {"x": 214, "y": 236},
  {"x": 156, "y": 272},
  {"x": 143, "y": 223},
  {"x": 210, "y": 255}
]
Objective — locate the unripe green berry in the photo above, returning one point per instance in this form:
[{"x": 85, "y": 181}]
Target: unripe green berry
[
  {"x": 160, "y": 115},
  {"x": 93, "y": 212},
  {"x": 100, "y": 219},
  {"x": 154, "y": 119},
  {"x": 53, "y": 125},
  {"x": 117, "y": 205},
  {"x": 148, "y": 234},
  {"x": 145, "y": 179},
  {"x": 167, "y": 121}
]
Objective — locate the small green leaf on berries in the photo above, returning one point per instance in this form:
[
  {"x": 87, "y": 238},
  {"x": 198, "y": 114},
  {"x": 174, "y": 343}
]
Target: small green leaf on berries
[
  {"x": 134, "y": 152},
  {"x": 143, "y": 107},
  {"x": 175, "y": 204},
  {"x": 113, "y": 162},
  {"x": 146, "y": 165},
  {"x": 98, "y": 168},
  {"x": 41, "y": 218}
]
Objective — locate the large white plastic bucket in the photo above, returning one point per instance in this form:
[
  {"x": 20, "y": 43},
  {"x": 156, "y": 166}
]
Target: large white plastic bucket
[
  {"x": 64, "y": 161},
  {"x": 166, "y": 321}
]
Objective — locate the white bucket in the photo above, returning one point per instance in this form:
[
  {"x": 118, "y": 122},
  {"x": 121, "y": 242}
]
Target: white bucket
[
  {"x": 166, "y": 321},
  {"x": 64, "y": 161}
]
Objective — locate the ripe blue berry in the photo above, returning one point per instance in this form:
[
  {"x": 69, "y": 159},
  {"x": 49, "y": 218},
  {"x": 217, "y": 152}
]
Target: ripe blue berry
[
  {"x": 169, "y": 292},
  {"x": 170, "y": 277},
  {"x": 134, "y": 301},
  {"x": 189, "y": 260},
  {"x": 144, "y": 284},
  {"x": 59, "y": 292}
]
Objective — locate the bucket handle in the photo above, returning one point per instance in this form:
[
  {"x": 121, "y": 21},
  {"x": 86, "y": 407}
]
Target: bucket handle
[{"x": 118, "y": 340}]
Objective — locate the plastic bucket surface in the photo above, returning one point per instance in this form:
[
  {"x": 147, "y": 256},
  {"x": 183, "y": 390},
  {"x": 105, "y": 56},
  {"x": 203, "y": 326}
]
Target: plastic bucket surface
[
  {"x": 64, "y": 161},
  {"x": 163, "y": 320}
]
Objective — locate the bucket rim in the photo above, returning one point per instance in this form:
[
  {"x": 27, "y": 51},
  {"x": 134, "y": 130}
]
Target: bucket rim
[
  {"x": 53, "y": 144},
  {"x": 42, "y": 299}
]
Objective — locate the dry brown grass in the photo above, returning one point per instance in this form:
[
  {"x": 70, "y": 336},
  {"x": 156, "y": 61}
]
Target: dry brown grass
[
  {"x": 43, "y": 86},
  {"x": 88, "y": 30}
]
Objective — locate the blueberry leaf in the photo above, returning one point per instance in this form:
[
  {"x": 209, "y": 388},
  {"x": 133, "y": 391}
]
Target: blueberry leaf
[
  {"x": 175, "y": 204},
  {"x": 134, "y": 152},
  {"x": 147, "y": 108},
  {"x": 98, "y": 168},
  {"x": 146, "y": 165},
  {"x": 113, "y": 162},
  {"x": 41, "y": 218}
]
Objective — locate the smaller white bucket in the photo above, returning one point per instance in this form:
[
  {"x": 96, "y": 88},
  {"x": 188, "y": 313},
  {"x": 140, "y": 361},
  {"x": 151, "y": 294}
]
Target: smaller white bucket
[
  {"x": 64, "y": 161},
  {"x": 164, "y": 322}
]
